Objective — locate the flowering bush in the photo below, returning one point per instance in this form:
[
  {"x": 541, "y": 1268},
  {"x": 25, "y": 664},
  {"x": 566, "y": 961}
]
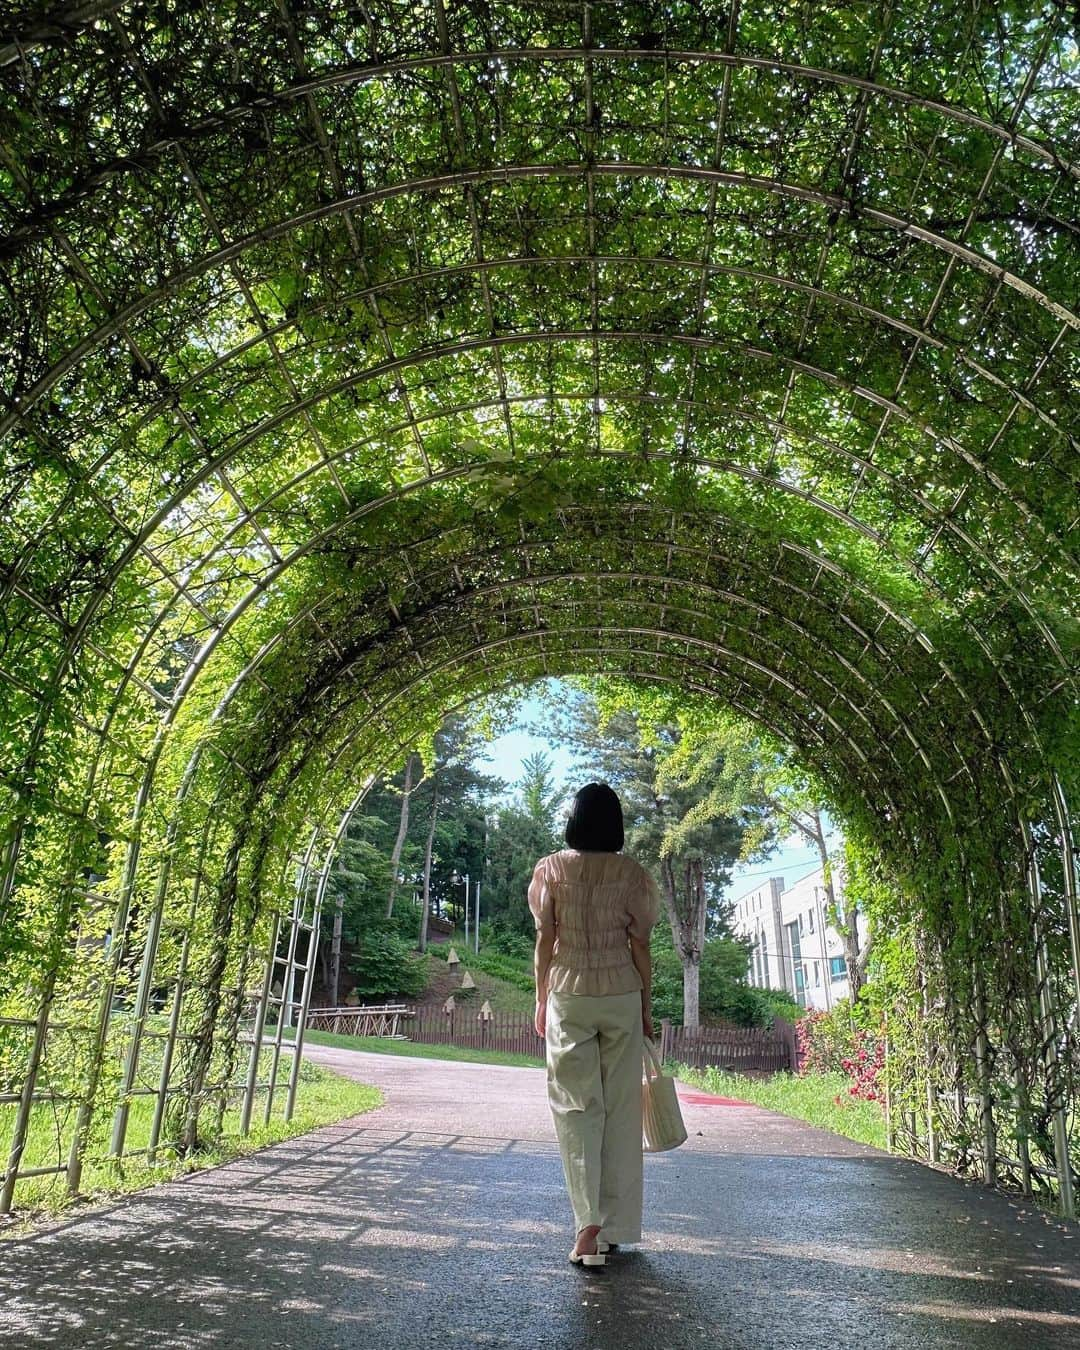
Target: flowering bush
[
  {"x": 831, "y": 1042},
  {"x": 864, "y": 1067}
]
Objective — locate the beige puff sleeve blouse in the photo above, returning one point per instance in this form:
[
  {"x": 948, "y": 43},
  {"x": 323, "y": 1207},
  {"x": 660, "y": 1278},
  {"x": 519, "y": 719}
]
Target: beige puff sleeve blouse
[{"x": 596, "y": 903}]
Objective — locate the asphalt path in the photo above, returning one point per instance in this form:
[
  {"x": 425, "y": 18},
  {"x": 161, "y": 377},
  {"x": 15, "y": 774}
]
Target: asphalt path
[{"x": 440, "y": 1219}]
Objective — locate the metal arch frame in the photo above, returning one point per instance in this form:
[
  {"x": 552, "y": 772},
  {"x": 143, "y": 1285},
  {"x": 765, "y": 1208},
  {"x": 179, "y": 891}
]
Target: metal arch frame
[
  {"x": 445, "y": 475},
  {"x": 304, "y": 615},
  {"x": 590, "y": 57},
  {"x": 828, "y": 377},
  {"x": 590, "y": 629},
  {"x": 375, "y": 71},
  {"x": 510, "y": 173},
  {"x": 458, "y": 606},
  {"x": 187, "y": 682},
  {"x": 968, "y": 702},
  {"x": 509, "y": 263},
  {"x": 942, "y": 518},
  {"x": 149, "y": 953}
]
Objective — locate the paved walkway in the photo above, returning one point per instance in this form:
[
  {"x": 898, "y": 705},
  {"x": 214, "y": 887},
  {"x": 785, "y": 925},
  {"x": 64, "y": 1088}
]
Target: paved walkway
[{"x": 441, "y": 1220}]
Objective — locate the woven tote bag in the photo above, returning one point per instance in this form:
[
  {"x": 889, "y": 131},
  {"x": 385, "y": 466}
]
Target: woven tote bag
[{"x": 661, "y": 1116}]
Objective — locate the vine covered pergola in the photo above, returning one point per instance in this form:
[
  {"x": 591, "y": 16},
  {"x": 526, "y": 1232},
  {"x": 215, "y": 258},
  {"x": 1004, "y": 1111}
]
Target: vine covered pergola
[{"x": 359, "y": 360}]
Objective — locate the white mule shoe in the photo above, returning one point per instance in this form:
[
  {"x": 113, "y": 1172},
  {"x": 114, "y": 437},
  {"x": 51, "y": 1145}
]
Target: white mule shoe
[{"x": 597, "y": 1258}]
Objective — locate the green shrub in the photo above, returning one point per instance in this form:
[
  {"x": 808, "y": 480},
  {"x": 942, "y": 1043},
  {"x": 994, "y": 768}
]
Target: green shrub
[
  {"x": 385, "y": 964},
  {"x": 723, "y": 994}
]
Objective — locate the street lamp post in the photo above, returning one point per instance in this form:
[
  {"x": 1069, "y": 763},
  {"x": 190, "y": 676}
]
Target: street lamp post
[{"x": 456, "y": 878}]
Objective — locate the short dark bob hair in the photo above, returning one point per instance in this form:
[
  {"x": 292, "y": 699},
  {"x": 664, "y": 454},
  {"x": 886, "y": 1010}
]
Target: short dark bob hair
[{"x": 595, "y": 823}]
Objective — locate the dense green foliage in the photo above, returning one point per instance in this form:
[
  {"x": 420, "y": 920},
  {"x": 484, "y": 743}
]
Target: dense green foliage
[{"x": 729, "y": 350}]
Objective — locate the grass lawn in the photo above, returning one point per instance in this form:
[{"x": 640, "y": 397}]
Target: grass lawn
[
  {"x": 382, "y": 1045},
  {"x": 323, "y": 1098},
  {"x": 822, "y": 1099}
]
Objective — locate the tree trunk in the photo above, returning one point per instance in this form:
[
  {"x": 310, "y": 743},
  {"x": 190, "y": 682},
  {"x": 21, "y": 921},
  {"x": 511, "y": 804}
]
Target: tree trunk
[
  {"x": 425, "y": 900},
  {"x": 335, "y": 952},
  {"x": 687, "y": 931},
  {"x": 399, "y": 842},
  {"x": 324, "y": 964},
  {"x": 846, "y": 920}
]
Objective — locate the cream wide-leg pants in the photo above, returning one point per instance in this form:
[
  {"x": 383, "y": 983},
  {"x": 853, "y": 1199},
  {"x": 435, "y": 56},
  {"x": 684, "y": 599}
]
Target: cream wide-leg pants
[{"x": 594, "y": 1051}]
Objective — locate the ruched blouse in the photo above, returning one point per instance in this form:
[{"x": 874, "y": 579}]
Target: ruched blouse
[{"x": 596, "y": 903}]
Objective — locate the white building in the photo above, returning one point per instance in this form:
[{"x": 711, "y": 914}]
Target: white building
[{"x": 794, "y": 947}]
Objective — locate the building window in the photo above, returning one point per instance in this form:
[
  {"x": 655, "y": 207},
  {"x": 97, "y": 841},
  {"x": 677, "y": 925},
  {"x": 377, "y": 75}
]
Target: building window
[
  {"x": 817, "y": 972},
  {"x": 837, "y": 967},
  {"x": 810, "y": 916}
]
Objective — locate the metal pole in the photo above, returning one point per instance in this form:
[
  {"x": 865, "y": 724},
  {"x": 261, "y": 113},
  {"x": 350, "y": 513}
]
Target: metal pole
[
  {"x": 285, "y": 1003},
  {"x": 313, "y": 940},
  {"x": 476, "y": 912},
  {"x": 305, "y": 997},
  {"x": 1049, "y": 1036},
  {"x": 1070, "y": 883},
  {"x": 142, "y": 1005},
  {"x": 26, "y": 1101},
  {"x": 257, "y": 1031}
]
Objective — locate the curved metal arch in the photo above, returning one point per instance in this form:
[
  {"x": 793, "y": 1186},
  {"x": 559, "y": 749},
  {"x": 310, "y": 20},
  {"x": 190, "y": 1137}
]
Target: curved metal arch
[
  {"x": 869, "y": 781},
  {"x": 816, "y": 559},
  {"x": 489, "y": 264},
  {"x": 510, "y": 583},
  {"x": 264, "y": 583},
  {"x": 796, "y": 366},
  {"x": 773, "y": 673},
  {"x": 509, "y": 173},
  {"x": 819, "y": 561},
  {"x": 483, "y": 650},
  {"x": 375, "y": 713},
  {"x": 371, "y": 72},
  {"x": 457, "y": 606},
  {"x": 826, "y": 376},
  {"x": 725, "y": 466},
  {"x": 850, "y": 582},
  {"x": 392, "y": 756},
  {"x": 785, "y": 620},
  {"x": 941, "y": 519}
]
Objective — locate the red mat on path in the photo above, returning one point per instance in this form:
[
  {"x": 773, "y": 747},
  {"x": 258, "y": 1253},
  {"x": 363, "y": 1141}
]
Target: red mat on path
[{"x": 706, "y": 1099}]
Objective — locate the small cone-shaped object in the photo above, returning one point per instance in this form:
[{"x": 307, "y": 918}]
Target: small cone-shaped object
[
  {"x": 467, "y": 981},
  {"x": 452, "y": 958},
  {"x": 448, "y": 1006},
  {"x": 485, "y": 1011}
]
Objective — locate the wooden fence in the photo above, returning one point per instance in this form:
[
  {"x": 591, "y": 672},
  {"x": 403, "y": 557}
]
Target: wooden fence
[
  {"x": 501, "y": 1031},
  {"x": 383, "y": 1020},
  {"x": 724, "y": 1047},
  {"x": 763, "y": 1049}
]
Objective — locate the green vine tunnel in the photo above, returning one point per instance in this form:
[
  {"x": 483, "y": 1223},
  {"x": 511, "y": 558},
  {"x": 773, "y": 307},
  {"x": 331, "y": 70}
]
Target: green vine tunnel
[{"x": 356, "y": 369}]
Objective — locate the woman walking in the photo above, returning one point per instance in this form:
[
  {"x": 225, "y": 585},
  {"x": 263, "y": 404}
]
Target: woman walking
[{"x": 594, "y": 910}]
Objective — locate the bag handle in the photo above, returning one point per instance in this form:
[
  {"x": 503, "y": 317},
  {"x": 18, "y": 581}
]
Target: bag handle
[{"x": 651, "y": 1063}]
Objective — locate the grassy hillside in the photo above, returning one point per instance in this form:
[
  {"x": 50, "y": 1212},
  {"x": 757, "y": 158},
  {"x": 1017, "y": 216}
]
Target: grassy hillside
[{"x": 505, "y": 981}]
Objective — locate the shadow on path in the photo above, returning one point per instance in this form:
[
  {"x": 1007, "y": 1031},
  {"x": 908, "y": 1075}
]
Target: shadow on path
[{"x": 367, "y": 1235}]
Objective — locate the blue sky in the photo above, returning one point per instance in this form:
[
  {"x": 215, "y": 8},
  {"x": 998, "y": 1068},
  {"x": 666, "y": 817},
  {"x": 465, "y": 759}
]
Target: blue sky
[{"x": 505, "y": 754}]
